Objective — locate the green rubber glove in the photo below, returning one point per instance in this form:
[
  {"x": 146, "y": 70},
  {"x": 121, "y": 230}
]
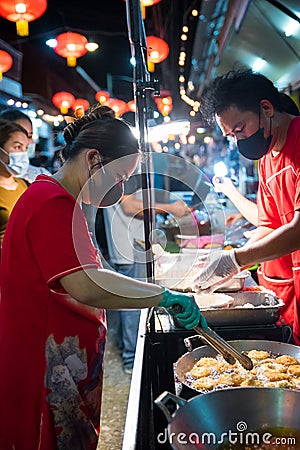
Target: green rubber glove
[{"x": 183, "y": 307}]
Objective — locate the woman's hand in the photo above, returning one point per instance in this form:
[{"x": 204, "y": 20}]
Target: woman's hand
[{"x": 183, "y": 307}]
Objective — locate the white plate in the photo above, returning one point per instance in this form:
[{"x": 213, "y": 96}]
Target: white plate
[{"x": 214, "y": 300}]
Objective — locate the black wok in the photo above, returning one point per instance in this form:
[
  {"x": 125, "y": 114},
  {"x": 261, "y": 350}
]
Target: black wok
[
  {"x": 209, "y": 420},
  {"x": 187, "y": 361}
]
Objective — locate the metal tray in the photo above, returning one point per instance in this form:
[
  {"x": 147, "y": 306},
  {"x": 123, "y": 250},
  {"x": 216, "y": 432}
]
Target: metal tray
[{"x": 266, "y": 310}]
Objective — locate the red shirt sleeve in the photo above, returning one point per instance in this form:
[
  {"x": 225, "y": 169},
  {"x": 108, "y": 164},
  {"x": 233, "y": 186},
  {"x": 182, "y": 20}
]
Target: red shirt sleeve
[{"x": 60, "y": 239}]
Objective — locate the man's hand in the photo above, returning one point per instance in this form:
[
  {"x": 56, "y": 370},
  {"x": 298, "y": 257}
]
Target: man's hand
[{"x": 220, "y": 266}]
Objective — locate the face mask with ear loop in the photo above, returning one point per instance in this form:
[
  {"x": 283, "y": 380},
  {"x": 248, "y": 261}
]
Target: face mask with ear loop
[
  {"x": 108, "y": 192},
  {"x": 18, "y": 163},
  {"x": 256, "y": 146}
]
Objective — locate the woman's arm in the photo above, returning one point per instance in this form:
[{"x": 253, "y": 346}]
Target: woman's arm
[{"x": 107, "y": 289}]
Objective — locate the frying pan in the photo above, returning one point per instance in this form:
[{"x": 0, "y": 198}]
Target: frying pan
[
  {"x": 207, "y": 421},
  {"x": 186, "y": 362}
]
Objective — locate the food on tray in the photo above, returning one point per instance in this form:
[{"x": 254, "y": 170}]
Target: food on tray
[
  {"x": 215, "y": 300},
  {"x": 269, "y": 370}
]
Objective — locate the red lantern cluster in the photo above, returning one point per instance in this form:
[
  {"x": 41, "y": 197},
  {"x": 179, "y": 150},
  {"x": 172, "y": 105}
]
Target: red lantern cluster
[
  {"x": 119, "y": 106},
  {"x": 22, "y": 12},
  {"x": 132, "y": 106},
  {"x": 164, "y": 103},
  {"x": 157, "y": 51},
  {"x": 63, "y": 101},
  {"x": 102, "y": 97},
  {"x": 6, "y": 62},
  {"x": 71, "y": 46},
  {"x": 80, "y": 103}
]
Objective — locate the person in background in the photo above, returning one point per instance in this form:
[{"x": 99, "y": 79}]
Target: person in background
[
  {"x": 14, "y": 115},
  {"x": 268, "y": 271},
  {"x": 124, "y": 226},
  {"x": 50, "y": 390},
  {"x": 13, "y": 165},
  {"x": 248, "y": 108}
]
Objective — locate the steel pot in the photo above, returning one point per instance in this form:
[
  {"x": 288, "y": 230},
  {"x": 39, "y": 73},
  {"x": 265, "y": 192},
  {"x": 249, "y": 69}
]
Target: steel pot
[
  {"x": 207, "y": 421},
  {"x": 187, "y": 361}
]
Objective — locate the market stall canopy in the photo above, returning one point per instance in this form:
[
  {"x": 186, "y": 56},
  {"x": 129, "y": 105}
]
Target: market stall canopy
[{"x": 260, "y": 34}]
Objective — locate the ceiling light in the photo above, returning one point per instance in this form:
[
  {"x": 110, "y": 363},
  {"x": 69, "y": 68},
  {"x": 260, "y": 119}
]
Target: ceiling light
[
  {"x": 258, "y": 64},
  {"x": 183, "y": 37},
  {"x": 185, "y": 29},
  {"x": 133, "y": 61},
  {"x": 291, "y": 28},
  {"x": 92, "y": 46},
  {"x": 51, "y": 43},
  {"x": 195, "y": 12}
]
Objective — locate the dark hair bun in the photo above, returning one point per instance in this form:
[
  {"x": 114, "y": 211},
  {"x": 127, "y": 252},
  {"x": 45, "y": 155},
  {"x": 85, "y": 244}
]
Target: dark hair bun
[{"x": 94, "y": 113}]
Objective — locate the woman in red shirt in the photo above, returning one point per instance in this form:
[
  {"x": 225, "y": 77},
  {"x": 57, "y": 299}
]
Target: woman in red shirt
[{"x": 54, "y": 291}]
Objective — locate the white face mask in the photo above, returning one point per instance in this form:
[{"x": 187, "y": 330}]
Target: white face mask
[
  {"x": 31, "y": 150},
  {"x": 18, "y": 163}
]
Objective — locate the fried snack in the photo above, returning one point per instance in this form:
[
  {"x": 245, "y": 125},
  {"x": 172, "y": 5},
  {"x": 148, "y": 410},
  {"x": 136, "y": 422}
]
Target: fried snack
[
  {"x": 205, "y": 383},
  {"x": 258, "y": 354},
  {"x": 294, "y": 370},
  {"x": 206, "y": 361},
  {"x": 229, "y": 379},
  {"x": 200, "y": 372},
  {"x": 269, "y": 371},
  {"x": 287, "y": 360},
  {"x": 252, "y": 381},
  {"x": 272, "y": 375},
  {"x": 273, "y": 366}
]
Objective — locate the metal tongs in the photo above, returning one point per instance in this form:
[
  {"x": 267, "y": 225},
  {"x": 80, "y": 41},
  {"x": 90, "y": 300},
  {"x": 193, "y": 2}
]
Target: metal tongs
[{"x": 229, "y": 353}]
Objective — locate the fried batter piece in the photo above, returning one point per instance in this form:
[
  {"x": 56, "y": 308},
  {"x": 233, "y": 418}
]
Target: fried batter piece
[
  {"x": 207, "y": 361},
  {"x": 258, "y": 354},
  {"x": 272, "y": 375},
  {"x": 230, "y": 379},
  {"x": 294, "y": 370},
  {"x": 273, "y": 366},
  {"x": 252, "y": 381},
  {"x": 205, "y": 383},
  {"x": 200, "y": 372},
  {"x": 287, "y": 360}
]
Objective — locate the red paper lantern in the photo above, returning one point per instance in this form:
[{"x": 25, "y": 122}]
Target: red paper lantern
[
  {"x": 22, "y": 12},
  {"x": 119, "y": 106},
  {"x": 102, "y": 97},
  {"x": 80, "y": 103},
  {"x": 157, "y": 51},
  {"x": 164, "y": 102},
  {"x": 63, "y": 100},
  {"x": 6, "y": 62},
  {"x": 132, "y": 106},
  {"x": 71, "y": 46}
]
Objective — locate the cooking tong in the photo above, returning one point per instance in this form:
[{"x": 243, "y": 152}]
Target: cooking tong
[{"x": 229, "y": 353}]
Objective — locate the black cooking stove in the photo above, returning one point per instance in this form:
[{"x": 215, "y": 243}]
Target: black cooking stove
[{"x": 158, "y": 349}]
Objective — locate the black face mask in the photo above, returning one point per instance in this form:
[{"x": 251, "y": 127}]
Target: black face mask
[
  {"x": 256, "y": 145},
  {"x": 108, "y": 193}
]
